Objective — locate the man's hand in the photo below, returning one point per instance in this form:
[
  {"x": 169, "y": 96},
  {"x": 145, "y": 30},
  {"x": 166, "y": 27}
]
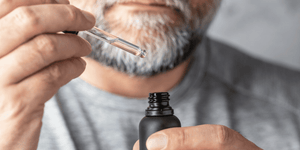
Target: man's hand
[
  {"x": 202, "y": 137},
  {"x": 35, "y": 61}
]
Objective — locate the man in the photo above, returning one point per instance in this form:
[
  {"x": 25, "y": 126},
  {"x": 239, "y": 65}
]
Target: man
[{"x": 215, "y": 90}]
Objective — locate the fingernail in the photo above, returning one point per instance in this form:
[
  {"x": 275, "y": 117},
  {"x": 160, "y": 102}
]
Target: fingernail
[
  {"x": 88, "y": 16},
  {"x": 62, "y": 1},
  {"x": 157, "y": 141}
]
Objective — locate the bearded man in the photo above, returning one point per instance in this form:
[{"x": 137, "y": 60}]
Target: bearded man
[{"x": 225, "y": 99}]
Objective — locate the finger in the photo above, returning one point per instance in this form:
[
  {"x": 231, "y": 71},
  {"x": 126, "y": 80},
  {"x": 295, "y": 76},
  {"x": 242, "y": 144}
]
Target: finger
[
  {"x": 9, "y": 5},
  {"x": 199, "y": 137},
  {"x": 41, "y": 86},
  {"x": 136, "y": 145},
  {"x": 39, "y": 53},
  {"x": 24, "y": 23}
]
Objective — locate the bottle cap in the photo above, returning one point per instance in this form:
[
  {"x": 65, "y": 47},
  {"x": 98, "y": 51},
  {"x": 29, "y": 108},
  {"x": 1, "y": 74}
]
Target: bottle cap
[{"x": 159, "y": 104}]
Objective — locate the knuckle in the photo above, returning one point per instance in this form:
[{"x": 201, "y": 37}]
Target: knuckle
[
  {"x": 180, "y": 138},
  {"x": 26, "y": 16},
  {"x": 223, "y": 134},
  {"x": 53, "y": 75},
  {"x": 72, "y": 13},
  {"x": 46, "y": 46},
  {"x": 184, "y": 136}
]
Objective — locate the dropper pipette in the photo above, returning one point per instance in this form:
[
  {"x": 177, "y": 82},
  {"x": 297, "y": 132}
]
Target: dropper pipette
[{"x": 114, "y": 40}]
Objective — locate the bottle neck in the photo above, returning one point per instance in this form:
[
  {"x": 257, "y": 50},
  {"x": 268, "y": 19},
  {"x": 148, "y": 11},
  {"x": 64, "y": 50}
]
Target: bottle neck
[
  {"x": 159, "y": 113},
  {"x": 159, "y": 105}
]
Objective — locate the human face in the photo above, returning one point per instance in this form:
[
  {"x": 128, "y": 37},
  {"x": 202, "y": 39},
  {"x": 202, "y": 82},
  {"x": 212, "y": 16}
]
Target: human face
[{"x": 164, "y": 28}]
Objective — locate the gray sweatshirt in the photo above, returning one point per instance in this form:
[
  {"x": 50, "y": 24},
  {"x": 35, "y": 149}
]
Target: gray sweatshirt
[{"x": 222, "y": 86}]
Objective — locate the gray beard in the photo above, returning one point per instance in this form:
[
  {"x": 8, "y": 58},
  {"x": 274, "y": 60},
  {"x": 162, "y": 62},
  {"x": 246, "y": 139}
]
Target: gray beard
[{"x": 169, "y": 48}]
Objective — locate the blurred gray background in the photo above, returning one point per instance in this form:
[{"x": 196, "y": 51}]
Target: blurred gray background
[{"x": 265, "y": 29}]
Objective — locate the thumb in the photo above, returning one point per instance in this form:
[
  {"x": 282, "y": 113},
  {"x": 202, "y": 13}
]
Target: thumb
[
  {"x": 194, "y": 137},
  {"x": 136, "y": 145},
  {"x": 199, "y": 137}
]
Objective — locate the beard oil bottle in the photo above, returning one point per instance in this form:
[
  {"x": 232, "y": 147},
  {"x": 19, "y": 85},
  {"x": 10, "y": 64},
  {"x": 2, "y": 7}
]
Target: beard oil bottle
[{"x": 159, "y": 116}]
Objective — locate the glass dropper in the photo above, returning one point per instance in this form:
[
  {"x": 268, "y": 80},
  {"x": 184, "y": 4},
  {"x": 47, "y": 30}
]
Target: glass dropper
[{"x": 116, "y": 41}]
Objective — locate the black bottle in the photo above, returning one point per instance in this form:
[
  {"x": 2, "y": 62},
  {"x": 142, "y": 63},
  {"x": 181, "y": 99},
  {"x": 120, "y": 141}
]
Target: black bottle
[{"x": 159, "y": 116}]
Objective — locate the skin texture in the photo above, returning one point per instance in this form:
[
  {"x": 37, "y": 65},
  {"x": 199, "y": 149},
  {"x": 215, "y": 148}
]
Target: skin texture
[{"x": 36, "y": 60}]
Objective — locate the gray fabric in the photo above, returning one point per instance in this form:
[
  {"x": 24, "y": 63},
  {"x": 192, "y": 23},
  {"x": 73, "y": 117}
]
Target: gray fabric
[{"x": 223, "y": 86}]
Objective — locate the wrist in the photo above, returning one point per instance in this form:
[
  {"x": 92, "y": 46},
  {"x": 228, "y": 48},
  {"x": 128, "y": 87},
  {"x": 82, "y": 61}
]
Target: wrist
[
  {"x": 20, "y": 129},
  {"x": 20, "y": 134}
]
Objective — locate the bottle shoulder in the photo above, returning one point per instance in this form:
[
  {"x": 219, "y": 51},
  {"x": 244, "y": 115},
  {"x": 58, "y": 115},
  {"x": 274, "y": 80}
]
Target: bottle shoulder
[
  {"x": 160, "y": 120},
  {"x": 161, "y": 117}
]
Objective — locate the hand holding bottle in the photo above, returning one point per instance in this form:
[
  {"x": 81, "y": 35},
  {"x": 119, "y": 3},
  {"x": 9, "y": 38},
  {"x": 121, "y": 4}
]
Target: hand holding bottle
[
  {"x": 202, "y": 137},
  {"x": 161, "y": 130}
]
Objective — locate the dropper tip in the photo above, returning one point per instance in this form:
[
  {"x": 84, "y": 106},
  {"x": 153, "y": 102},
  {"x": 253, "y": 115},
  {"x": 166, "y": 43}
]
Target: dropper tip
[{"x": 143, "y": 53}]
